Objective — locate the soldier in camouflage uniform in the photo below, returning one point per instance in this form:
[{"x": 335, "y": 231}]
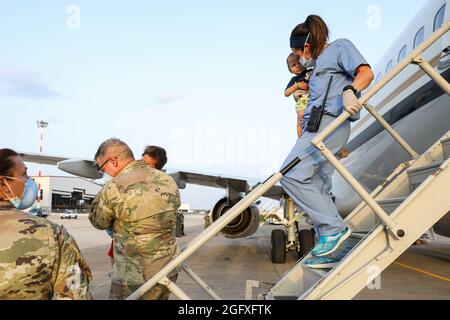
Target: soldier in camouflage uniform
[
  {"x": 38, "y": 259},
  {"x": 140, "y": 203}
]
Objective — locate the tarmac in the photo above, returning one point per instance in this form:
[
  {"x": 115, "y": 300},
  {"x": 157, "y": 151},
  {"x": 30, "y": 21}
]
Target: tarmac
[{"x": 422, "y": 272}]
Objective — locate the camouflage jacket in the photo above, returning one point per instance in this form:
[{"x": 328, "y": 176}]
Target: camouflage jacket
[
  {"x": 39, "y": 259},
  {"x": 141, "y": 204}
]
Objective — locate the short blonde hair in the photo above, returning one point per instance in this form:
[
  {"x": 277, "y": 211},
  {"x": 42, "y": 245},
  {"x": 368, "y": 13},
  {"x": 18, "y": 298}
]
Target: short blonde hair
[{"x": 291, "y": 58}]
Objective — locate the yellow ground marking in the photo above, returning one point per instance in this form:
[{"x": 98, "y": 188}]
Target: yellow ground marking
[{"x": 422, "y": 271}]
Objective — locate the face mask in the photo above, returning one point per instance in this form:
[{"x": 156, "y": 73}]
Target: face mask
[
  {"x": 307, "y": 63},
  {"x": 106, "y": 177},
  {"x": 28, "y": 197},
  {"x": 110, "y": 232}
]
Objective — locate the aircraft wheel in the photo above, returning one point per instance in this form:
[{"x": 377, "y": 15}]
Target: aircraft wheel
[
  {"x": 307, "y": 241},
  {"x": 278, "y": 246}
]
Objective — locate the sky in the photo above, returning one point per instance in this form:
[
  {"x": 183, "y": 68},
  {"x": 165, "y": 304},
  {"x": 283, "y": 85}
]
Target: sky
[{"x": 203, "y": 79}]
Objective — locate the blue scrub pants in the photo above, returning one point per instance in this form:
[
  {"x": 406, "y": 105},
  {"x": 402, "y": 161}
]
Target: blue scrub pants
[{"x": 309, "y": 183}]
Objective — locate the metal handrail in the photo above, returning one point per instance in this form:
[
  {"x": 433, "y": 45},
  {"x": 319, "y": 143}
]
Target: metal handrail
[
  {"x": 212, "y": 230},
  {"x": 391, "y": 131},
  {"x": 414, "y": 58}
]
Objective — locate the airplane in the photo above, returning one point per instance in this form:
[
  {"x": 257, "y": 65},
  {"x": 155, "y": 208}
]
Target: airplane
[{"x": 412, "y": 103}]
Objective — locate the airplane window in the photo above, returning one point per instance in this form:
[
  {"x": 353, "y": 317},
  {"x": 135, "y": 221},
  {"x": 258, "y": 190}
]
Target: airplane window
[
  {"x": 378, "y": 78},
  {"x": 389, "y": 66},
  {"x": 402, "y": 53},
  {"x": 418, "y": 39},
  {"x": 439, "y": 19}
]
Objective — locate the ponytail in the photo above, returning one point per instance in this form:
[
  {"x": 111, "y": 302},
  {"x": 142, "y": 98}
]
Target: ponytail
[{"x": 318, "y": 32}]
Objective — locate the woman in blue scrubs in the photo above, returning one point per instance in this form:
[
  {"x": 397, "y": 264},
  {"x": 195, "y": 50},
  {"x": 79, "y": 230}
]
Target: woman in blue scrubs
[{"x": 309, "y": 183}]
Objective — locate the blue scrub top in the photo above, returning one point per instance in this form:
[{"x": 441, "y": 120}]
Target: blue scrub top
[{"x": 340, "y": 60}]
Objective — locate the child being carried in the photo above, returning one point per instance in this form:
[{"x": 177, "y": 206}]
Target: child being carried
[{"x": 299, "y": 87}]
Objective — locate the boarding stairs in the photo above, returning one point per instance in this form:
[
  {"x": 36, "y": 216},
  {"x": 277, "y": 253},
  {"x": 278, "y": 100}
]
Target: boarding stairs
[
  {"x": 415, "y": 196},
  {"x": 390, "y": 219},
  {"x": 405, "y": 206}
]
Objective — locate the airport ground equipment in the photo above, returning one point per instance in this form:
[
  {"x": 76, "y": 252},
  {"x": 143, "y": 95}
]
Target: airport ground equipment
[
  {"x": 414, "y": 197},
  {"x": 407, "y": 204}
]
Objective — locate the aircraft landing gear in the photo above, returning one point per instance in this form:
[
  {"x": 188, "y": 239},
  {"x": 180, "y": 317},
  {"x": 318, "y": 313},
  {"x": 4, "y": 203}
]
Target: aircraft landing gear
[
  {"x": 292, "y": 238},
  {"x": 278, "y": 246},
  {"x": 306, "y": 241}
]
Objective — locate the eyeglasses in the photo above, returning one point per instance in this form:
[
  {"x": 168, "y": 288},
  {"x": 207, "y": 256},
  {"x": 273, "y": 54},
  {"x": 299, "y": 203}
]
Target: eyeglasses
[
  {"x": 99, "y": 168},
  {"x": 24, "y": 179}
]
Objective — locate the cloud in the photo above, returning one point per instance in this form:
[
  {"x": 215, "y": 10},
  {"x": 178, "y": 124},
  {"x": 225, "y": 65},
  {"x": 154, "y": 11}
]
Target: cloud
[
  {"x": 24, "y": 84},
  {"x": 166, "y": 99}
]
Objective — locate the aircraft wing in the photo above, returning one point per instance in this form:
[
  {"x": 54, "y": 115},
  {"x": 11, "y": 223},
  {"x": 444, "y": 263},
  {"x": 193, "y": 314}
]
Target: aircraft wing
[
  {"x": 85, "y": 168},
  {"x": 209, "y": 180},
  {"x": 43, "y": 159},
  {"x": 78, "y": 167},
  {"x": 222, "y": 181},
  {"x": 275, "y": 192}
]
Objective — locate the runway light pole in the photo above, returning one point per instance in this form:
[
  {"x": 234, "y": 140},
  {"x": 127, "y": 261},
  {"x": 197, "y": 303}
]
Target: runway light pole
[{"x": 42, "y": 125}]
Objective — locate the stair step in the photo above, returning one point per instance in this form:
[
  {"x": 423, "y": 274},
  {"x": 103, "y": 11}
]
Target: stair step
[
  {"x": 358, "y": 235},
  {"x": 317, "y": 273},
  {"x": 419, "y": 175},
  {"x": 285, "y": 297},
  {"x": 389, "y": 205},
  {"x": 446, "y": 147},
  {"x": 309, "y": 278}
]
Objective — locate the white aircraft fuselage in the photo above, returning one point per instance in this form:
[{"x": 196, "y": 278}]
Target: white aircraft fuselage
[{"x": 412, "y": 103}]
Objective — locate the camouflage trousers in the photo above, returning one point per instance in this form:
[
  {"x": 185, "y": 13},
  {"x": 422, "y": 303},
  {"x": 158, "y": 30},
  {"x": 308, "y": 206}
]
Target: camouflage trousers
[{"x": 157, "y": 292}]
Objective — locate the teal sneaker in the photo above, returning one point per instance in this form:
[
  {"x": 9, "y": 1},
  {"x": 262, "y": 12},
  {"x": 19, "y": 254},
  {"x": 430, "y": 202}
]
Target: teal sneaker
[
  {"x": 328, "y": 244},
  {"x": 321, "y": 263}
]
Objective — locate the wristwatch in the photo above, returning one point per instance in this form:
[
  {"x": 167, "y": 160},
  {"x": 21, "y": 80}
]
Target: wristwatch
[{"x": 351, "y": 88}]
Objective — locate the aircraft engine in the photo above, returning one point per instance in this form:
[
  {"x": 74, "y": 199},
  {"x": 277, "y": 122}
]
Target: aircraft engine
[{"x": 244, "y": 225}]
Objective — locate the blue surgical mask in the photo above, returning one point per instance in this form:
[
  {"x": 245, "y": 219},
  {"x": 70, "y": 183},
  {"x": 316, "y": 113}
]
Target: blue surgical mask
[
  {"x": 28, "y": 197},
  {"x": 311, "y": 63},
  {"x": 106, "y": 177},
  {"x": 110, "y": 232}
]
